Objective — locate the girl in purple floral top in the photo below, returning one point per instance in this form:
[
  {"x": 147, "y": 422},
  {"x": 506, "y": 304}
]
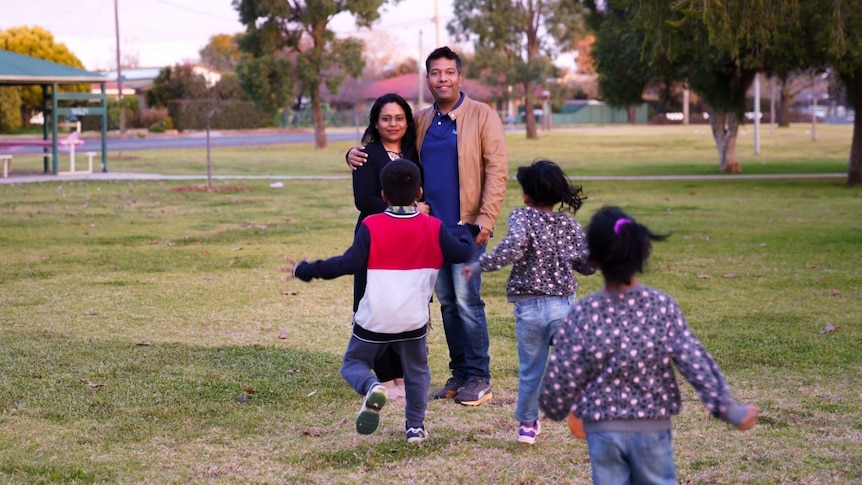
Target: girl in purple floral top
[
  {"x": 543, "y": 246},
  {"x": 613, "y": 365}
]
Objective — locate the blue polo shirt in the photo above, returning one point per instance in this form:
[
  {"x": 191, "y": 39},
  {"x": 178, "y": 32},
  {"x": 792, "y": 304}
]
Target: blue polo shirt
[{"x": 439, "y": 157}]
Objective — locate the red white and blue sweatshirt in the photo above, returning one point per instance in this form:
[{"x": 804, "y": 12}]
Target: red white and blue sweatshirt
[{"x": 401, "y": 251}]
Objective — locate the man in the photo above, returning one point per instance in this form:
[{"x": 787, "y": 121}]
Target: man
[{"x": 462, "y": 146}]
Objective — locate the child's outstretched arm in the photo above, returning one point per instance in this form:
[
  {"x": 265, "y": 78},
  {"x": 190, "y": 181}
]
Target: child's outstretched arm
[
  {"x": 750, "y": 418},
  {"x": 581, "y": 260},
  {"x": 457, "y": 245},
  {"x": 355, "y": 258},
  {"x": 701, "y": 371}
]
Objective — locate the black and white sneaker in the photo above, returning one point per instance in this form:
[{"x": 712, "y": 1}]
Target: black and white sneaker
[{"x": 416, "y": 435}]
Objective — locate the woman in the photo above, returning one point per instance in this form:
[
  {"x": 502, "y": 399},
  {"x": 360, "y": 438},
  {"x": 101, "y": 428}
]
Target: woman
[{"x": 391, "y": 134}]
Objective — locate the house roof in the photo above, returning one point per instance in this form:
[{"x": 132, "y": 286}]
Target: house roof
[{"x": 17, "y": 69}]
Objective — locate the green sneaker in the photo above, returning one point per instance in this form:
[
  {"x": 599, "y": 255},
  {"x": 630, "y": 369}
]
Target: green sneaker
[{"x": 369, "y": 416}]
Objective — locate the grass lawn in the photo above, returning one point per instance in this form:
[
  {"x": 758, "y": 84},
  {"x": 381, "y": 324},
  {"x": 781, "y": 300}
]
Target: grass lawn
[{"x": 148, "y": 333}]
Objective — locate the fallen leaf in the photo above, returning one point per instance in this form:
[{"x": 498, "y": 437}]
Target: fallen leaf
[
  {"x": 242, "y": 399},
  {"x": 289, "y": 293},
  {"x": 829, "y": 328},
  {"x": 834, "y": 292},
  {"x": 283, "y": 334},
  {"x": 813, "y": 266},
  {"x": 704, "y": 276},
  {"x": 91, "y": 383},
  {"x": 310, "y": 432},
  {"x": 143, "y": 344},
  {"x": 248, "y": 390},
  {"x": 730, "y": 275}
]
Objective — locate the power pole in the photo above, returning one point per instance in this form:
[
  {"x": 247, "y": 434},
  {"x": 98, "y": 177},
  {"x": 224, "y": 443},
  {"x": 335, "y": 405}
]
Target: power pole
[
  {"x": 420, "y": 95},
  {"x": 437, "y": 22},
  {"x": 119, "y": 71}
]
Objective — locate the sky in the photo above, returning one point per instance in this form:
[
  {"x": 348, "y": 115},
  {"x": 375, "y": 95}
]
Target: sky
[{"x": 166, "y": 32}]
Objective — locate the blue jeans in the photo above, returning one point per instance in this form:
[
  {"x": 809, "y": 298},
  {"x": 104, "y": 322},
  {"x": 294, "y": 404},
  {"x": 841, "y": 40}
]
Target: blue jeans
[
  {"x": 632, "y": 458},
  {"x": 537, "y": 320},
  {"x": 464, "y": 323}
]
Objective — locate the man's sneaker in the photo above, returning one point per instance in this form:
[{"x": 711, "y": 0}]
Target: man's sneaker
[
  {"x": 369, "y": 416},
  {"x": 416, "y": 435},
  {"x": 528, "y": 432},
  {"x": 451, "y": 389},
  {"x": 474, "y": 393}
]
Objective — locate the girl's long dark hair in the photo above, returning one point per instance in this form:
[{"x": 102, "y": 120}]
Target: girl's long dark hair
[
  {"x": 619, "y": 245},
  {"x": 547, "y": 185}
]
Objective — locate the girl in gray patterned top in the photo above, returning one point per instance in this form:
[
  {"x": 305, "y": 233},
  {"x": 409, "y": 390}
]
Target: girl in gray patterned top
[
  {"x": 613, "y": 363},
  {"x": 543, "y": 246}
]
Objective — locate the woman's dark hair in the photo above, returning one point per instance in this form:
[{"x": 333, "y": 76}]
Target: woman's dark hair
[
  {"x": 408, "y": 143},
  {"x": 619, "y": 245},
  {"x": 547, "y": 185},
  {"x": 400, "y": 180}
]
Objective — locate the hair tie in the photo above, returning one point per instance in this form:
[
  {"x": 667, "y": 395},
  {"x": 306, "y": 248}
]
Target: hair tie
[{"x": 618, "y": 226}]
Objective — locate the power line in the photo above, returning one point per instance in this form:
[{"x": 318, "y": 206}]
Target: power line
[{"x": 198, "y": 12}]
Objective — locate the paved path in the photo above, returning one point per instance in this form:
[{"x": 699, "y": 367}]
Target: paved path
[{"x": 100, "y": 176}]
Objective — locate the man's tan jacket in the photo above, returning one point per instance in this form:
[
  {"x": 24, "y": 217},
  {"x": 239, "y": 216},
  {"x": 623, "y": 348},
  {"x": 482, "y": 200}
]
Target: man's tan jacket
[{"x": 483, "y": 159}]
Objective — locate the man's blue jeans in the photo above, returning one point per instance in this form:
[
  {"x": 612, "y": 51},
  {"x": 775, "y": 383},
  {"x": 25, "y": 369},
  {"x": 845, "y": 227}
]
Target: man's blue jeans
[
  {"x": 632, "y": 458},
  {"x": 464, "y": 323},
  {"x": 537, "y": 320}
]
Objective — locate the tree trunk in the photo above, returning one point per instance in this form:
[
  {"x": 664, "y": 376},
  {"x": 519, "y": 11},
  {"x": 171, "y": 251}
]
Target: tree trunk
[
  {"x": 854, "y": 171},
  {"x": 317, "y": 117},
  {"x": 633, "y": 115},
  {"x": 724, "y": 130},
  {"x": 784, "y": 107},
  {"x": 529, "y": 115}
]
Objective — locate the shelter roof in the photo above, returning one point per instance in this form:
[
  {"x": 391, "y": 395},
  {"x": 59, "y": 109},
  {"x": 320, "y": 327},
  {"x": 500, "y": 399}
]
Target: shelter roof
[{"x": 17, "y": 69}]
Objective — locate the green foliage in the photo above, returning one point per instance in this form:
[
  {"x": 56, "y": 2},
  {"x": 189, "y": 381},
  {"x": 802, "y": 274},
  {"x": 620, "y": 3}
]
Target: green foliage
[
  {"x": 221, "y": 54},
  {"x": 515, "y": 42},
  {"x": 266, "y": 80},
  {"x": 289, "y": 45},
  {"x": 178, "y": 82},
  {"x": 222, "y": 114},
  {"x": 39, "y": 43},
  {"x": 10, "y": 109},
  {"x": 129, "y": 104}
]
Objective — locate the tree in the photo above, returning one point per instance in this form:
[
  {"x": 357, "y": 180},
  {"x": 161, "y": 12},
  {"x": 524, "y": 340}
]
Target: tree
[
  {"x": 291, "y": 39},
  {"x": 178, "y": 82},
  {"x": 222, "y": 52},
  {"x": 716, "y": 48},
  {"x": 10, "y": 109},
  {"x": 518, "y": 39},
  {"x": 785, "y": 35},
  {"x": 39, "y": 43},
  {"x": 617, "y": 49},
  {"x": 838, "y": 28}
]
